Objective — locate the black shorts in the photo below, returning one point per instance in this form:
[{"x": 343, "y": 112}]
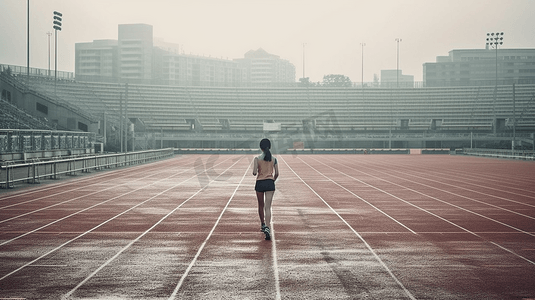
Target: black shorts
[{"x": 265, "y": 185}]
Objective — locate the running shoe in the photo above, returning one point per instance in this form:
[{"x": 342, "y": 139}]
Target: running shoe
[
  {"x": 267, "y": 233},
  {"x": 263, "y": 228}
]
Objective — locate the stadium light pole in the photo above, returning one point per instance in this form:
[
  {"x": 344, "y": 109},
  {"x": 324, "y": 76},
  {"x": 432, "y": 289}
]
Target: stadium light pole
[
  {"x": 48, "y": 34},
  {"x": 362, "y": 63},
  {"x": 57, "y": 26},
  {"x": 493, "y": 40},
  {"x": 304, "y": 61},
  {"x": 28, "y": 44},
  {"x": 397, "y": 63}
]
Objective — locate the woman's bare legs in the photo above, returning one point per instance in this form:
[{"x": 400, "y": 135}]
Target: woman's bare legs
[
  {"x": 260, "y": 197},
  {"x": 264, "y": 206},
  {"x": 267, "y": 207}
]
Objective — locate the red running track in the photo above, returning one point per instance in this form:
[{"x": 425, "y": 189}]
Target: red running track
[{"x": 345, "y": 227}]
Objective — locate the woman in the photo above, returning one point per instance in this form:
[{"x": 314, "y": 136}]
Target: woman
[{"x": 264, "y": 167}]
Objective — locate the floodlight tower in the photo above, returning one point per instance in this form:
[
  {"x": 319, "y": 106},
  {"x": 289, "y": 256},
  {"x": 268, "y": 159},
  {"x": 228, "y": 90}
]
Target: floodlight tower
[
  {"x": 362, "y": 63},
  {"x": 28, "y": 42},
  {"x": 48, "y": 34},
  {"x": 397, "y": 64},
  {"x": 493, "y": 40},
  {"x": 57, "y": 26}
]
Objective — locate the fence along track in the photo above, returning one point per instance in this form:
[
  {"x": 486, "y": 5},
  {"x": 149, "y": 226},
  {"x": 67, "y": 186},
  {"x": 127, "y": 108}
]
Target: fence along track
[{"x": 34, "y": 170}]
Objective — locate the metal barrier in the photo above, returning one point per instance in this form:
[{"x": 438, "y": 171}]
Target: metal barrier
[
  {"x": 501, "y": 153},
  {"x": 32, "y": 171}
]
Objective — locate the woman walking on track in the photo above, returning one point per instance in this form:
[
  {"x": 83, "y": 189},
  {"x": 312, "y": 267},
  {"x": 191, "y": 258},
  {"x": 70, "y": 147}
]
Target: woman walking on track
[{"x": 264, "y": 167}]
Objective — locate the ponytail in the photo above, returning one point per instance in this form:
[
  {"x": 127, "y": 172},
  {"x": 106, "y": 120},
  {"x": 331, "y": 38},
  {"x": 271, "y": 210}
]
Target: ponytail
[
  {"x": 267, "y": 155},
  {"x": 265, "y": 144}
]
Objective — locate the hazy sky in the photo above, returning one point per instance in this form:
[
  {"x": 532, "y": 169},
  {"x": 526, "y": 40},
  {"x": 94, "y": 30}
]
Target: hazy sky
[{"x": 331, "y": 29}]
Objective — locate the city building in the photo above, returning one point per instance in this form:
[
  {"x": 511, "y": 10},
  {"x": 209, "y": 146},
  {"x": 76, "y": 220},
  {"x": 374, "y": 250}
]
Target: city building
[
  {"x": 262, "y": 68},
  {"x": 97, "y": 60},
  {"x": 395, "y": 78},
  {"x": 478, "y": 67},
  {"x": 135, "y": 52},
  {"x": 137, "y": 57}
]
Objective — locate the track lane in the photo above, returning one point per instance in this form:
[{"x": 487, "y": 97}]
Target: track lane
[
  {"x": 489, "y": 249},
  {"x": 454, "y": 200},
  {"x": 399, "y": 291},
  {"x": 88, "y": 288},
  {"x": 4, "y": 283},
  {"x": 27, "y": 223}
]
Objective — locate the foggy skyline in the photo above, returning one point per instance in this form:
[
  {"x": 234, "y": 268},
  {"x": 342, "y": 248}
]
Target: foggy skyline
[{"x": 331, "y": 30}]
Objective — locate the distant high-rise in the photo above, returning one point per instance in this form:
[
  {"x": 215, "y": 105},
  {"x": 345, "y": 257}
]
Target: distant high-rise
[
  {"x": 136, "y": 57},
  {"x": 97, "y": 59},
  {"x": 263, "y": 68},
  {"x": 395, "y": 78},
  {"x": 135, "y": 52},
  {"x": 477, "y": 67}
]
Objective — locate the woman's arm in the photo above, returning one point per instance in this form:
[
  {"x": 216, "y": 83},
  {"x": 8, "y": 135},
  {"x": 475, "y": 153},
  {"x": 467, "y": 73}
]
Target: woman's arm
[
  {"x": 276, "y": 166},
  {"x": 255, "y": 166}
]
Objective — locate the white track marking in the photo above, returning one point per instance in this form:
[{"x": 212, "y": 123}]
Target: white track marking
[
  {"x": 434, "y": 198},
  {"x": 519, "y": 256},
  {"x": 275, "y": 263},
  {"x": 66, "y": 296},
  {"x": 471, "y": 190},
  {"x": 494, "y": 187},
  {"x": 64, "y": 192},
  {"x": 85, "y": 209},
  {"x": 360, "y": 198},
  {"x": 90, "y": 230},
  {"x": 273, "y": 247},
  {"x": 407, "y": 292}
]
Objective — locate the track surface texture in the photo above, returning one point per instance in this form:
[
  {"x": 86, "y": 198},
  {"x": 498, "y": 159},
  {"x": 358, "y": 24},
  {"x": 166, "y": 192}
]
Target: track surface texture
[{"x": 344, "y": 227}]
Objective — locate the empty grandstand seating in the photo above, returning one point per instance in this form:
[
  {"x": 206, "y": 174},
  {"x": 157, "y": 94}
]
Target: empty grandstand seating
[
  {"x": 324, "y": 109},
  {"x": 12, "y": 117}
]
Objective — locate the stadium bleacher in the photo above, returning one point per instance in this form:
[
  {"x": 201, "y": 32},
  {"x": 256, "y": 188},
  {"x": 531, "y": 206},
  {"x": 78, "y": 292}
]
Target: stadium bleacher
[{"x": 239, "y": 109}]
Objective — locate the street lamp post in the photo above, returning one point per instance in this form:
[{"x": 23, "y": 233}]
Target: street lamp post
[
  {"x": 57, "y": 26},
  {"x": 362, "y": 63},
  {"x": 397, "y": 63}
]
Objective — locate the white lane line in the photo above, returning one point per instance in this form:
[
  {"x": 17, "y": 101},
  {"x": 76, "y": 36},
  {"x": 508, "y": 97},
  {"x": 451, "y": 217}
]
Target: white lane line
[
  {"x": 360, "y": 198},
  {"x": 87, "y": 208},
  {"x": 66, "y": 296},
  {"x": 201, "y": 248},
  {"x": 515, "y": 254},
  {"x": 477, "y": 192},
  {"x": 407, "y": 292},
  {"x": 275, "y": 263},
  {"x": 92, "y": 229},
  {"x": 405, "y": 201},
  {"x": 68, "y": 191},
  {"x": 404, "y": 172},
  {"x": 497, "y": 186},
  {"x": 434, "y": 198}
]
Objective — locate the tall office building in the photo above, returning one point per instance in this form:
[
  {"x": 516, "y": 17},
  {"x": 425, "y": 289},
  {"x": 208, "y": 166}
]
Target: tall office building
[
  {"x": 478, "y": 67},
  {"x": 96, "y": 60},
  {"x": 135, "y": 52},
  {"x": 136, "y": 57},
  {"x": 263, "y": 68},
  {"x": 396, "y": 78}
]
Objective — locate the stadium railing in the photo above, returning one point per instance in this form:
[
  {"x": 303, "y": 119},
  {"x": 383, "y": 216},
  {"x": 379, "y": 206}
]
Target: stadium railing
[{"x": 35, "y": 169}]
